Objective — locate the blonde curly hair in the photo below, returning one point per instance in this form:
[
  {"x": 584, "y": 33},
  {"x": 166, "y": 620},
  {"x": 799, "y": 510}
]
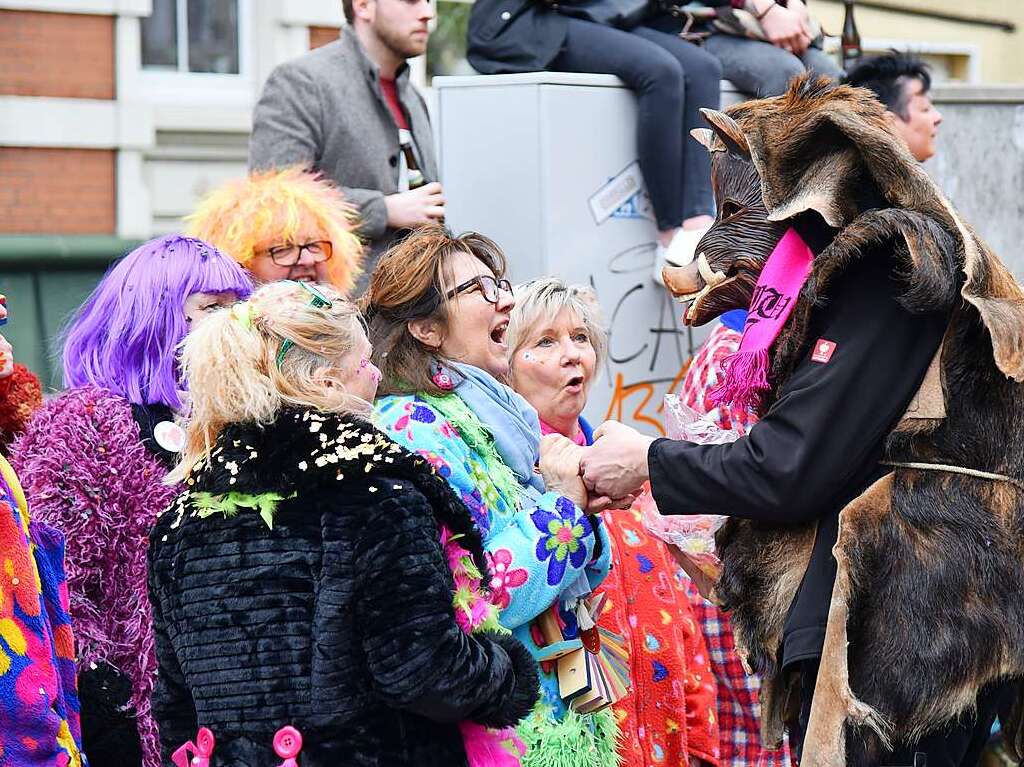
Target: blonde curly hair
[
  {"x": 240, "y": 370},
  {"x": 271, "y": 206}
]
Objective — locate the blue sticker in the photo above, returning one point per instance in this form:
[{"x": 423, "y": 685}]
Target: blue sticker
[
  {"x": 660, "y": 672},
  {"x": 636, "y": 207}
]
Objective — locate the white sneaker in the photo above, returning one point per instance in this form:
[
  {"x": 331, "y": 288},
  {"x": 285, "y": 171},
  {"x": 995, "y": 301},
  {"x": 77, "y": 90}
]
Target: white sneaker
[{"x": 680, "y": 252}]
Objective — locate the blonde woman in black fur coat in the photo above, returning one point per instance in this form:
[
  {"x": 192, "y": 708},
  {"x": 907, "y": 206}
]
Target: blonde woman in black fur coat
[{"x": 307, "y": 576}]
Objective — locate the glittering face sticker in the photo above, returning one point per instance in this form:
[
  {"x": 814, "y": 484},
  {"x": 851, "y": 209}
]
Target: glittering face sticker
[
  {"x": 359, "y": 375},
  {"x": 367, "y": 368},
  {"x": 554, "y": 367}
]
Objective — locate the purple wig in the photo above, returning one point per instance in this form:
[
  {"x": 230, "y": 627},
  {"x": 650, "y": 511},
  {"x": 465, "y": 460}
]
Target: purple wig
[{"x": 124, "y": 338}]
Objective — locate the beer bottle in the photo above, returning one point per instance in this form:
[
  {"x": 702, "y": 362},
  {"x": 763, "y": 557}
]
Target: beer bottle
[
  {"x": 851, "y": 38},
  {"x": 412, "y": 168}
]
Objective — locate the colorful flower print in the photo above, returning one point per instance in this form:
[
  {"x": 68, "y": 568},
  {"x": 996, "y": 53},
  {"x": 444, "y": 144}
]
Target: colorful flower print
[
  {"x": 504, "y": 577},
  {"x": 440, "y": 464},
  {"x": 478, "y": 511},
  {"x": 414, "y": 412},
  {"x": 561, "y": 538}
]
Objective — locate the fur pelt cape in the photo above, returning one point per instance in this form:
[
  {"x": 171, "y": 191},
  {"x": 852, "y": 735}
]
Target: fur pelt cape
[
  {"x": 300, "y": 580},
  {"x": 87, "y": 473},
  {"x": 928, "y": 603}
]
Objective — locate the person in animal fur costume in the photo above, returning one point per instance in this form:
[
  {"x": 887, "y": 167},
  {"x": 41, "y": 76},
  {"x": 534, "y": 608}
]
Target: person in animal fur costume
[{"x": 872, "y": 564}]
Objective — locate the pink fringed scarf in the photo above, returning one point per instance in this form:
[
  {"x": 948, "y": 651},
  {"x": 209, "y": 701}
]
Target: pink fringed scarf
[
  {"x": 485, "y": 746},
  {"x": 778, "y": 287}
]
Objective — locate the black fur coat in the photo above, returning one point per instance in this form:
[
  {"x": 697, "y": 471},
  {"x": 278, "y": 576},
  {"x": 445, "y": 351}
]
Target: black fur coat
[{"x": 337, "y": 619}]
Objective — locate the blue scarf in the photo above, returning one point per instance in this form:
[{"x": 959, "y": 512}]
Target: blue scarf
[{"x": 509, "y": 418}]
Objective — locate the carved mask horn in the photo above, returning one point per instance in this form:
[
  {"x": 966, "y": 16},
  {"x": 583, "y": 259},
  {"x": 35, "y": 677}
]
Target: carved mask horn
[
  {"x": 727, "y": 130},
  {"x": 706, "y": 138}
]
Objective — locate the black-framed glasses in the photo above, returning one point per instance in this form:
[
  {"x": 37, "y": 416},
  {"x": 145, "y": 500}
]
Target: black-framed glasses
[
  {"x": 486, "y": 284},
  {"x": 289, "y": 255},
  {"x": 318, "y": 301}
]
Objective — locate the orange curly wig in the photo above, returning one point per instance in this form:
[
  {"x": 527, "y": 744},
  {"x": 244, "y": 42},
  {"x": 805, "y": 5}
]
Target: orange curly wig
[{"x": 271, "y": 206}]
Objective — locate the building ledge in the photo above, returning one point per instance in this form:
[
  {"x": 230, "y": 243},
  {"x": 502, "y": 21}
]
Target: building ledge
[
  {"x": 68, "y": 251},
  {"x": 39, "y": 121},
  {"x": 951, "y": 93},
  {"x": 89, "y": 7}
]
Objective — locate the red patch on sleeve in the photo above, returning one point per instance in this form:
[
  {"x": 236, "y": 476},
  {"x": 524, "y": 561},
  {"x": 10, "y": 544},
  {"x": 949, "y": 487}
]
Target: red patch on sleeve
[{"x": 823, "y": 351}]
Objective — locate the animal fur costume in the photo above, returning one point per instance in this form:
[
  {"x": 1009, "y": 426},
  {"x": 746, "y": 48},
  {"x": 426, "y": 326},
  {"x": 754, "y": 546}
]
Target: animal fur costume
[{"x": 928, "y": 602}]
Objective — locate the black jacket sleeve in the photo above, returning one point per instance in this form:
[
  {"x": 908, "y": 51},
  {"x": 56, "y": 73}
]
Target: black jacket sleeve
[
  {"x": 418, "y": 656},
  {"x": 826, "y": 431},
  {"x": 173, "y": 707}
]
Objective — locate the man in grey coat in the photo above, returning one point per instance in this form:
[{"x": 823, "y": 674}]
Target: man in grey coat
[{"x": 347, "y": 108}]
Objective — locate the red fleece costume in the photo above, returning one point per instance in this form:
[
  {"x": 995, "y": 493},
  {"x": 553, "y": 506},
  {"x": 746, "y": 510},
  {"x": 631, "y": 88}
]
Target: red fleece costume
[{"x": 670, "y": 713}]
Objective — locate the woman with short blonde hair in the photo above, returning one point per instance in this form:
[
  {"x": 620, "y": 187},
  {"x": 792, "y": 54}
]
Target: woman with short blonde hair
[
  {"x": 314, "y": 573},
  {"x": 557, "y": 345},
  {"x": 545, "y": 298}
]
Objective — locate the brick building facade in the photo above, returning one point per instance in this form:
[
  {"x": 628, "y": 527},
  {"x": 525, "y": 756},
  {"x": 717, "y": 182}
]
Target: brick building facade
[{"x": 115, "y": 117}]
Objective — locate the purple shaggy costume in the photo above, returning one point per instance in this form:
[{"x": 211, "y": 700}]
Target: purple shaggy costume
[
  {"x": 87, "y": 473},
  {"x": 91, "y": 469}
]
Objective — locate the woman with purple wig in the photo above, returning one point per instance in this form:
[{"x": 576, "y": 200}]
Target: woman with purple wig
[{"x": 92, "y": 463}]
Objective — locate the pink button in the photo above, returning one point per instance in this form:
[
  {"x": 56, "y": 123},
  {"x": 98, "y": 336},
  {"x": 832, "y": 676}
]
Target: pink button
[
  {"x": 287, "y": 743},
  {"x": 205, "y": 743}
]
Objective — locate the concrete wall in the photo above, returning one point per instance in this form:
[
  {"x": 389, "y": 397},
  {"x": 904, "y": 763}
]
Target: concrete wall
[{"x": 980, "y": 164}]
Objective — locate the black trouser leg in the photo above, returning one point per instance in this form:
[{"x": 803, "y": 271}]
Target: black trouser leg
[
  {"x": 702, "y": 77},
  {"x": 652, "y": 65}
]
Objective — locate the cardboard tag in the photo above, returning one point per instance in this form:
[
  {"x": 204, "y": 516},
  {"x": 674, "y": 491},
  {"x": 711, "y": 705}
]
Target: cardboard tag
[{"x": 574, "y": 675}]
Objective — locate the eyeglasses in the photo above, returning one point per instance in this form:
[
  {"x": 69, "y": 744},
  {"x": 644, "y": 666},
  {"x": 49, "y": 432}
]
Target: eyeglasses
[
  {"x": 289, "y": 255},
  {"x": 318, "y": 301},
  {"x": 486, "y": 284}
]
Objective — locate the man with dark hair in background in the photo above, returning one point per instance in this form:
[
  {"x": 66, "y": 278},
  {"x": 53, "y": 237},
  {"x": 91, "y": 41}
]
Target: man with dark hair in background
[
  {"x": 347, "y": 109},
  {"x": 902, "y": 83}
]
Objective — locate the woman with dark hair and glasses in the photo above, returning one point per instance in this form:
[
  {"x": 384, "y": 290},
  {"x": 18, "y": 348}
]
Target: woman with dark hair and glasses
[
  {"x": 284, "y": 225},
  {"x": 438, "y": 308}
]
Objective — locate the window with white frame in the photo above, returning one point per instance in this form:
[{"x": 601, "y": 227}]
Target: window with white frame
[{"x": 192, "y": 36}]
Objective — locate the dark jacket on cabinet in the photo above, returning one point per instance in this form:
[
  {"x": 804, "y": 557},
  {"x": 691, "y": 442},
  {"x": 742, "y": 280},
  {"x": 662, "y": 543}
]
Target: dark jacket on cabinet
[
  {"x": 509, "y": 36},
  {"x": 336, "y": 619}
]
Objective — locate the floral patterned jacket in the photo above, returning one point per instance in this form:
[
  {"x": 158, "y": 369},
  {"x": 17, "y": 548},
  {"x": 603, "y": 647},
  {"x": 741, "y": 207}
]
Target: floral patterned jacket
[{"x": 536, "y": 552}]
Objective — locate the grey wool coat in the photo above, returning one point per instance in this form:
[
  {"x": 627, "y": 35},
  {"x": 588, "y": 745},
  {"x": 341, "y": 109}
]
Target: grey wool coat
[{"x": 326, "y": 110}]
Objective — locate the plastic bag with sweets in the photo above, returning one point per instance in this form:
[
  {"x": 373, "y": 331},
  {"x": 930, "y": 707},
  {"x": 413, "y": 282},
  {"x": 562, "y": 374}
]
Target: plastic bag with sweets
[{"x": 691, "y": 538}]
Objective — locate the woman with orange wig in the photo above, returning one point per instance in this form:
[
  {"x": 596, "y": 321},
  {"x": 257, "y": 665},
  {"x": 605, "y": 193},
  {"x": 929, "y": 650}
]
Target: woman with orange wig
[{"x": 285, "y": 224}]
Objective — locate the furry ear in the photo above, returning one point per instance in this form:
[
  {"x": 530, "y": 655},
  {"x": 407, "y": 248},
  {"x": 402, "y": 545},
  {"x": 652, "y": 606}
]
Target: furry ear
[
  {"x": 992, "y": 290},
  {"x": 816, "y": 167},
  {"x": 728, "y": 130},
  {"x": 829, "y": 149},
  {"x": 706, "y": 138}
]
